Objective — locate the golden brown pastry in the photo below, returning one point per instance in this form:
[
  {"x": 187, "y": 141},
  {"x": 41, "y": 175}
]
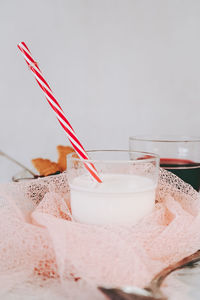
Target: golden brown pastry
[
  {"x": 63, "y": 151},
  {"x": 45, "y": 167}
]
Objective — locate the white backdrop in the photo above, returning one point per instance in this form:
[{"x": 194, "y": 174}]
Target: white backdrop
[{"x": 117, "y": 67}]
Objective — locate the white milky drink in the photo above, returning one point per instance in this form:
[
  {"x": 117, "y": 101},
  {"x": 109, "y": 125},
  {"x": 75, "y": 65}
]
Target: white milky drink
[{"x": 119, "y": 199}]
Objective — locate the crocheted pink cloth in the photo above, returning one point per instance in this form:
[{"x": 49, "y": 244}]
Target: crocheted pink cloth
[{"x": 47, "y": 255}]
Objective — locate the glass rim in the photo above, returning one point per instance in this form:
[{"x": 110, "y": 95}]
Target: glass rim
[
  {"x": 181, "y": 168},
  {"x": 165, "y": 138},
  {"x": 154, "y": 157}
]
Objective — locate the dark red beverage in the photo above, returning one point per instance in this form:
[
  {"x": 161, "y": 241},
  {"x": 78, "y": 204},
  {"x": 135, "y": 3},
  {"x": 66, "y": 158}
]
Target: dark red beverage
[{"x": 187, "y": 170}]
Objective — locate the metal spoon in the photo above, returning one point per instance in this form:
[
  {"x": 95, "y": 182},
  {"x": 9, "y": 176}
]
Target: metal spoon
[
  {"x": 152, "y": 291},
  {"x": 18, "y": 163}
]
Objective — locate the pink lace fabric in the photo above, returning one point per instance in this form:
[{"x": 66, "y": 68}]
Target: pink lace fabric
[{"x": 46, "y": 255}]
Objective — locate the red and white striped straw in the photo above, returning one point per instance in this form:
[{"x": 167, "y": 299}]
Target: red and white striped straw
[{"x": 33, "y": 66}]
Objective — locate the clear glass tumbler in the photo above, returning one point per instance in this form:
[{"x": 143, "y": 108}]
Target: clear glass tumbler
[
  {"x": 127, "y": 191},
  {"x": 180, "y": 155}
]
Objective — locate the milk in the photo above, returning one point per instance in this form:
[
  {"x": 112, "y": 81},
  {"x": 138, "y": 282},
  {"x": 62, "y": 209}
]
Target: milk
[{"x": 119, "y": 199}]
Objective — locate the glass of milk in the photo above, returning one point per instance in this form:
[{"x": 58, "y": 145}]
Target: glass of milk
[{"x": 127, "y": 191}]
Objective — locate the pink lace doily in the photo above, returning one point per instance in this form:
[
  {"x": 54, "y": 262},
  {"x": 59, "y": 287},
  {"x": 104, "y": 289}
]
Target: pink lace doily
[{"x": 43, "y": 252}]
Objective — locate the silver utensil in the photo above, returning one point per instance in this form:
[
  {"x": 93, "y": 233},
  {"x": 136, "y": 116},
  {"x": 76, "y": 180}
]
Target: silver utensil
[
  {"x": 153, "y": 290},
  {"x": 33, "y": 175}
]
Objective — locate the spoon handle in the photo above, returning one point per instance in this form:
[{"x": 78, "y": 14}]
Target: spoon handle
[
  {"x": 17, "y": 163},
  {"x": 153, "y": 288},
  {"x": 157, "y": 281}
]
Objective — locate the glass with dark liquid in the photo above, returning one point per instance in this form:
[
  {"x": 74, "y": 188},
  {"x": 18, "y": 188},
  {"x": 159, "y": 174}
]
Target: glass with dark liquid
[{"x": 179, "y": 155}]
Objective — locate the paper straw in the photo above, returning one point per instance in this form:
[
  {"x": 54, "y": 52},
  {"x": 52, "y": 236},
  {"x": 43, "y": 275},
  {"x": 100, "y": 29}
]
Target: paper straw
[{"x": 33, "y": 66}]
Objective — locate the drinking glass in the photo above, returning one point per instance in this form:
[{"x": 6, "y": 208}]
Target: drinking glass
[
  {"x": 127, "y": 191},
  {"x": 179, "y": 155}
]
